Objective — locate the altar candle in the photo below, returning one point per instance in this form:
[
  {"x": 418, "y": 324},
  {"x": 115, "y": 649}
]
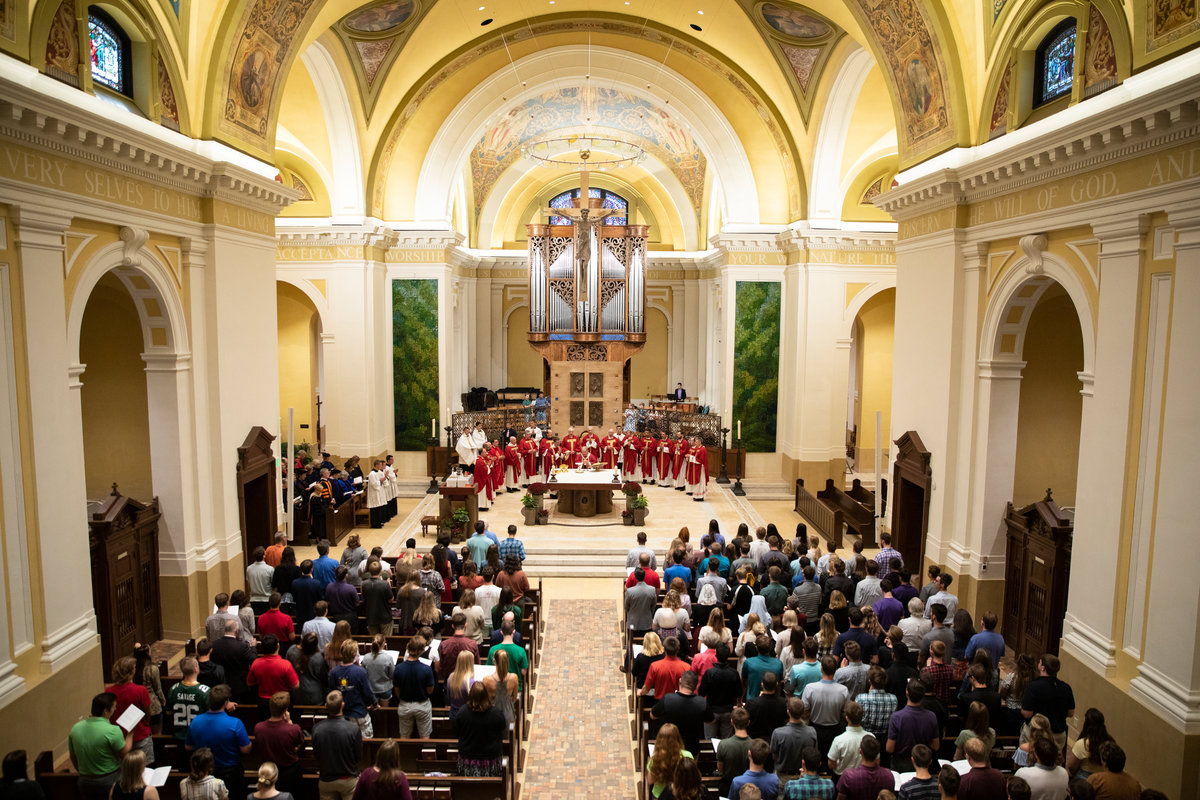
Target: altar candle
[
  {"x": 433, "y": 428},
  {"x": 739, "y": 429}
]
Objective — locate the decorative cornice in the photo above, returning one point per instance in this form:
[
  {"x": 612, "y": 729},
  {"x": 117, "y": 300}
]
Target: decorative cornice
[
  {"x": 327, "y": 236},
  {"x": 1140, "y": 116},
  {"x": 65, "y": 126}
]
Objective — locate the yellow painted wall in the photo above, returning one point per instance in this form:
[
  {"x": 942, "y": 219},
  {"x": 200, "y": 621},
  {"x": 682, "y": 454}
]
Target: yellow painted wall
[
  {"x": 1051, "y": 406},
  {"x": 878, "y": 318},
  {"x": 116, "y": 427},
  {"x": 524, "y": 364},
  {"x": 867, "y": 124},
  {"x": 298, "y": 377},
  {"x": 648, "y": 372}
]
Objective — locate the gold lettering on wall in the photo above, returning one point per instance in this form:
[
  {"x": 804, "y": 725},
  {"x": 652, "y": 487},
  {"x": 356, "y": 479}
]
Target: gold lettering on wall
[
  {"x": 415, "y": 256},
  {"x": 741, "y": 259}
]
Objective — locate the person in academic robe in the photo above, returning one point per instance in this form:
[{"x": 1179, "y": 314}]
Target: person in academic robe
[
  {"x": 666, "y": 462},
  {"x": 340, "y": 487},
  {"x": 697, "y": 475},
  {"x": 571, "y": 449},
  {"x": 610, "y": 449},
  {"x": 649, "y": 458},
  {"x": 631, "y": 466},
  {"x": 377, "y": 494},
  {"x": 484, "y": 490},
  {"x": 677, "y": 473},
  {"x": 467, "y": 450},
  {"x": 546, "y": 452},
  {"x": 393, "y": 486},
  {"x": 325, "y": 463},
  {"x": 353, "y": 470},
  {"x": 528, "y": 450}
]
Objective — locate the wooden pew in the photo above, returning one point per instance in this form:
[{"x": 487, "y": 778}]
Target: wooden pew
[
  {"x": 826, "y": 519},
  {"x": 858, "y": 518},
  {"x": 867, "y": 497}
]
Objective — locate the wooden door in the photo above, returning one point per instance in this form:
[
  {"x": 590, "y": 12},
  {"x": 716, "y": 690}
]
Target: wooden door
[
  {"x": 912, "y": 478},
  {"x": 1038, "y": 557}
]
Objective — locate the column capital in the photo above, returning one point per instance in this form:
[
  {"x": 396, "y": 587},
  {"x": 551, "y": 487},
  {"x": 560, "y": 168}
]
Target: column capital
[
  {"x": 1087, "y": 382},
  {"x": 1121, "y": 236},
  {"x": 1186, "y": 223},
  {"x": 1001, "y": 370},
  {"x": 167, "y": 362},
  {"x": 74, "y": 373},
  {"x": 39, "y": 226},
  {"x": 974, "y": 256}
]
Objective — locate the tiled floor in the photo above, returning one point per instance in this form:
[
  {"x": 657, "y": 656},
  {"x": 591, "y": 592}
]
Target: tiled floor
[{"x": 579, "y": 744}]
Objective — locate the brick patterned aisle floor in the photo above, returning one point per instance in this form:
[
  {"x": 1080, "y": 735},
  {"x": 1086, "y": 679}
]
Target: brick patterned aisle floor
[{"x": 579, "y": 745}]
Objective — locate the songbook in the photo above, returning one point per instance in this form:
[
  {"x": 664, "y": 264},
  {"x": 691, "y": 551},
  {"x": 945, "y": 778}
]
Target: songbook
[
  {"x": 156, "y": 777},
  {"x": 130, "y": 718}
]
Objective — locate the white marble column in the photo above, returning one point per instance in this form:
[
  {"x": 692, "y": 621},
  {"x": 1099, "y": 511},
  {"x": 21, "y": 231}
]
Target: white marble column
[
  {"x": 16, "y": 626},
  {"x": 56, "y": 428},
  {"x": 1169, "y": 676},
  {"x": 172, "y": 457},
  {"x": 1104, "y": 449}
]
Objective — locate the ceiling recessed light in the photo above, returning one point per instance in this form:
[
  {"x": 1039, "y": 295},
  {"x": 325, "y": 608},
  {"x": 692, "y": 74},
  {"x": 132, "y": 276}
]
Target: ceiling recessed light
[
  {"x": 487, "y": 21},
  {"x": 700, "y": 12},
  {"x": 696, "y": 27},
  {"x": 481, "y": 8}
]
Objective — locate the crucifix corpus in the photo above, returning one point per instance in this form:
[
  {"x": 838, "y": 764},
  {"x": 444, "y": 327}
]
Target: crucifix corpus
[{"x": 587, "y": 222}]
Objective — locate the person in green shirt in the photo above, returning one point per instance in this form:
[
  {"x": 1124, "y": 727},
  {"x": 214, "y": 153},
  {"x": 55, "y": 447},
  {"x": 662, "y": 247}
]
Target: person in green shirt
[
  {"x": 518, "y": 661},
  {"x": 97, "y": 747},
  {"x": 775, "y": 594},
  {"x": 186, "y": 699}
]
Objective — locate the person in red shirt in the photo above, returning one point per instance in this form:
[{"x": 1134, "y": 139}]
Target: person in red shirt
[
  {"x": 276, "y": 623},
  {"x": 280, "y": 740},
  {"x": 132, "y": 694},
  {"x": 663, "y": 677},
  {"x": 652, "y": 578},
  {"x": 271, "y": 673}
]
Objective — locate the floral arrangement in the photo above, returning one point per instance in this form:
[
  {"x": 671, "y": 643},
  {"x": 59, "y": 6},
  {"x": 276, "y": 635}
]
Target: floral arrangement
[
  {"x": 632, "y": 488},
  {"x": 537, "y": 489}
]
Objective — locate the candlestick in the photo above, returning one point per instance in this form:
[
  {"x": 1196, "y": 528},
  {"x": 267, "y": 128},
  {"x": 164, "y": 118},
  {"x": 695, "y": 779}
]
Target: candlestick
[
  {"x": 739, "y": 429},
  {"x": 433, "y": 428}
]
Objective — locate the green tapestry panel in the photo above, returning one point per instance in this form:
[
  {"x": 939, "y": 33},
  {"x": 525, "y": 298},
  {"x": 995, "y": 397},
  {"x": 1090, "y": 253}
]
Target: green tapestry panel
[
  {"x": 414, "y": 360},
  {"x": 756, "y": 363}
]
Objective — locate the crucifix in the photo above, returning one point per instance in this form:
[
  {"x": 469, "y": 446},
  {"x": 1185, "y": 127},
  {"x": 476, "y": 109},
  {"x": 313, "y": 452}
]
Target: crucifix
[
  {"x": 587, "y": 222},
  {"x": 320, "y": 444}
]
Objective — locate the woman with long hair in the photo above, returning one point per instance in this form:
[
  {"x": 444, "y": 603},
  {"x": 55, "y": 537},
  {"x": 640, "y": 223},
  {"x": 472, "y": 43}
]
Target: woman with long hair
[
  {"x": 493, "y": 559},
  {"x": 964, "y": 628},
  {"x": 309, "y": 663},
  {"x": 1039, "y": 728},
  {"x": 652, "y": 650},
  {"x": 503, "y": 686},
  {"x": 146, "y": 673},
  {"x": 408, "y": 600},
  {"x": 131, "y": 785},
  {"x": 379, "y": 664},
  {"x": 670, "y": 620},
  {"x": 431, "y": 579},
  {"x": 353, "y": 555},
  {"x": 200, "y": 784},
  {"x": 840, "y": 610},
  {"x": 1018, "y": 675},
  {"x": 333, "y": 650},
  {"x": 814, "y": 549},
  {"x": 264, "y": 784},
  {"x": 474, "y": 614},
  {"x": 385, "y": 780},
  {"x": 977, "y": 726},
  {"x": 246, "y": 624},
  {"x": 827, "y": 636},
  {"x": 470, "y": 578},
  {"x": 285, "y": 573},
  {"x": 1084, "y": 757},
  {"x": 791, "y": 632},
  {"x": 716, "y": 623},
  {"x": 714, "y": 530},
  {"x": 687, "y": 784},
  {"x": 505, "y": 604},
  {"x": 668, "y": 751},
  {"x": 441, "y": 563},
  {"x": 680, "y": 588},
  {"x": 480, "y": 728},
  {"x": 460, "y": 681},
  {"x": 429, "y": 613}
]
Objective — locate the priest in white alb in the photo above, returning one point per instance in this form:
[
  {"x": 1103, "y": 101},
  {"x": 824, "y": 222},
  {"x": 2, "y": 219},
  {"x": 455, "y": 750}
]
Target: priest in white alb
[{"x": 467, "y": 451}]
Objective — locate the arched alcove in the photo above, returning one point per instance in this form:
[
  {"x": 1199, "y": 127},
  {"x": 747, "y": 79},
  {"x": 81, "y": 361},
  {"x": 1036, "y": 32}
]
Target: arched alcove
[
  {"x": 524, "y": 365},
  {"x": 649, "y": 370},
  {"x": 871, "y": 344},
  {"x": 300, "y": 367}
]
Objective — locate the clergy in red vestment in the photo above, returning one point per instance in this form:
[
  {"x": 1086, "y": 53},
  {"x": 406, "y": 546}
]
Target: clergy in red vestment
[
  {"x": 512, "y": 465},
  {"x": 546, "y": 451},
  {"x": 649, "y": 458},
  {"x": 528, "y": 450},
  {"x": 484, "y": 489},
  {"x": 631, "y": 468},
  {"x": 571, "y": 449},
  {"x": 677, "y": 474},
  {"x": 609, "y": 448},
  {"x": 697, "y": 471},
  {"x": 496, "y": 467},
  {"x": 589, "y": 441},
  {"x": 666, "y": 462}
]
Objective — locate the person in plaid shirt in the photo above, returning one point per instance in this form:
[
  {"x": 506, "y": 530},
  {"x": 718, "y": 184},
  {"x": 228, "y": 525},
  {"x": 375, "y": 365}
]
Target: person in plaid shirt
[
  {"x": 941, "y": 673},
  {"x": 512, "y": 546},
  {"x": 810, "y": 785},
  {"x": 883, "y": 557},
  {"x": 878, "y": 704}
]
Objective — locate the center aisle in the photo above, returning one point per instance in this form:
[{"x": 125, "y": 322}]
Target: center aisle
[{"x": 579, "y": 743}]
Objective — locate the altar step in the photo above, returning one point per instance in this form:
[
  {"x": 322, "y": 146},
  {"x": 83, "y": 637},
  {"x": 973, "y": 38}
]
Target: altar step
[
  {"x": 762, "y": 490},
  {"x": 580, "y": 562}
]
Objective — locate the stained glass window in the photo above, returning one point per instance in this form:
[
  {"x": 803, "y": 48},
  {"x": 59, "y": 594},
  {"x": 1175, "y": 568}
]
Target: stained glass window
[
  {"x": 1055, "y": 63},
  {"x": 110, "y": 52},
  {"x": 607, "y": 200}
]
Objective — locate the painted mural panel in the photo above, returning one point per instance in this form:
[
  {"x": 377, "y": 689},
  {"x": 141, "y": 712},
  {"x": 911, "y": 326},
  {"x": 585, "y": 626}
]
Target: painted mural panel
[
  {"x": 1100, "y": 57},
  {"x": 380, "y": 18},
  {"x": 414, "y": 360},
  {"x": 794, "y": 22},
  {"x": 756, "y": 363},
  {"x": 1169, "y": 21}
]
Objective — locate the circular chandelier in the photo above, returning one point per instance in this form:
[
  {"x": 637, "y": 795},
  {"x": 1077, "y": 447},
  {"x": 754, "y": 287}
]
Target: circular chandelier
[{"x": 599, "y": 153}]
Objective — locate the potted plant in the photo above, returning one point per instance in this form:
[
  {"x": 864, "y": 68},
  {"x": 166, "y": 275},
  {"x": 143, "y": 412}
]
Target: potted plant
[
  {"x": 529, "y": 508},
  {"x": 456, "y": 524},
  {"x": 543, "y": 516},
  {"x": 627, "y": 517},
  {"x": 538, "y": 491},
  {"x": 630, "y": 489},
  {"x": 639, "y": 507}
]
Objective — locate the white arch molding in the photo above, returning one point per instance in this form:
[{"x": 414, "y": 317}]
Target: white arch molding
[
  {"x": 169, "y": 388},
  {"x": 347, "y": 196},
  {"x": 324, "y": 337},
  {"x": 560, "y": 67},
  {"x": 856, "y": 304}
]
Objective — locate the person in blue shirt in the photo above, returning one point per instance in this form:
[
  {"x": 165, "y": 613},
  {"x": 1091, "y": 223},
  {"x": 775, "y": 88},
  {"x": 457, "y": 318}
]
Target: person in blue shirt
[
  {"x": 987, "y": 639},
  {"x": 677, "y": 570},
  {"x": 767, "y": 782},
  {"x": 541, "y": 405},
  {"x": 225, "y": 736},
  {"x": 324, "y": 567},
  {"x": 352, "y": 681}
]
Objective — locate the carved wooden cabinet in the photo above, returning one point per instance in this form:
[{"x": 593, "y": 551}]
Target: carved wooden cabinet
[
  {"x": 1037, "y": 569},
  {"x": 123, "y": 535}
]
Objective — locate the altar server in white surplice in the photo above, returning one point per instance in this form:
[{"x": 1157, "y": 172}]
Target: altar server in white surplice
[
  {"x": 392, "y": 488},
  {"x": 467, "y": 451},
  {"x": 377, "y": 494}
]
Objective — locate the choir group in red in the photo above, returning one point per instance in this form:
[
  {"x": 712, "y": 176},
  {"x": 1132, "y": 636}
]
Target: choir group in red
[{"x": 672, "y": 463}]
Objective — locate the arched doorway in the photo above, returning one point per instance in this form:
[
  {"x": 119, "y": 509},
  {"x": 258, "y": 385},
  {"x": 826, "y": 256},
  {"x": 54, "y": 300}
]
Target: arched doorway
[
  {"x": 650, "y": 368},
  {"x": 301, "y": 366},
  {"x": 871, "y": 344}
]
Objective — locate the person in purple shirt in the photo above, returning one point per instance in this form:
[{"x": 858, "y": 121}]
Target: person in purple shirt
[
  {"x": 987, "y": 639},
  {"x": 905, "y": 591},
  {"x": 342, "y": 598},
  {"x": 910, "y": 726},
  {"x": 888, "y": 610},
  {"x": 868, "y": 779}
]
